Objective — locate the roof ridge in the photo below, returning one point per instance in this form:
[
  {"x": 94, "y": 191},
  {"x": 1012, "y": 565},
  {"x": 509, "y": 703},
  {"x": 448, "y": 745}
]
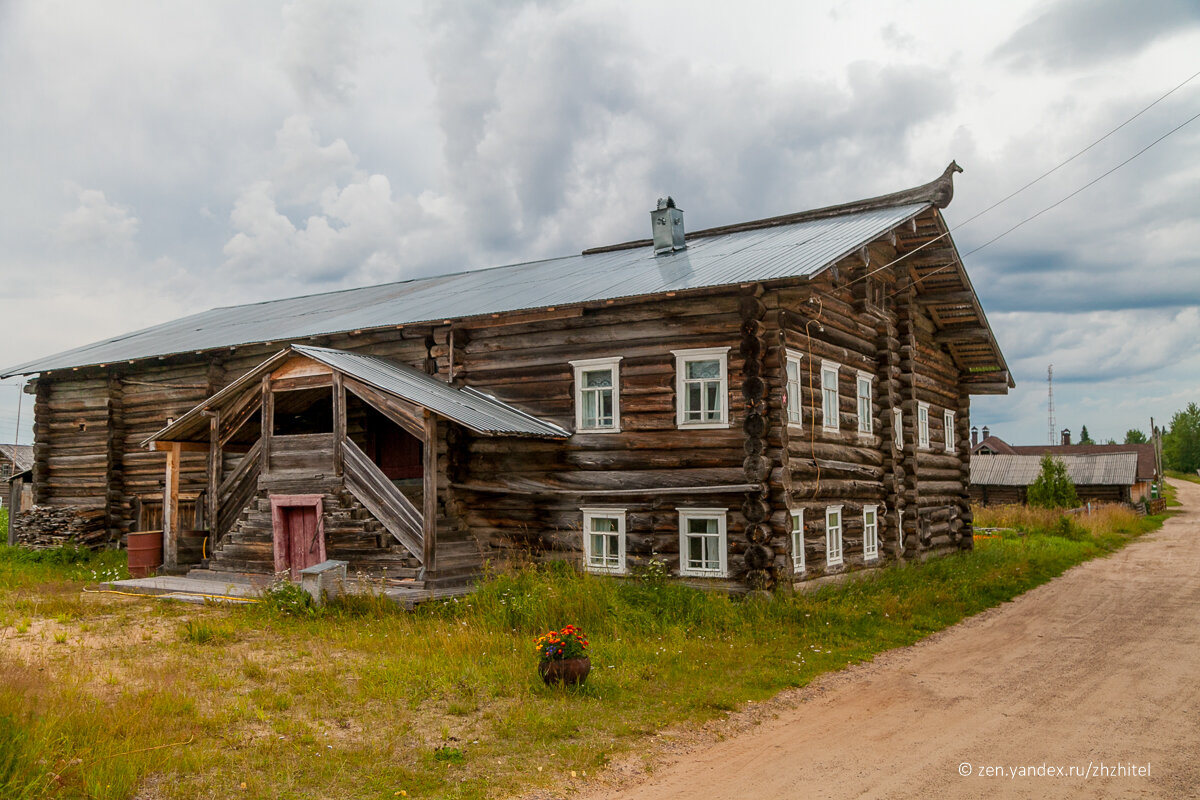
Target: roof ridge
[{"x": 938, "y": 192}]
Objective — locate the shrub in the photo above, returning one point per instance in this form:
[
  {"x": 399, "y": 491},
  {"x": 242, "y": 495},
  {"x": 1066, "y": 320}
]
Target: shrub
[
  {"x": 1052, "y": 488},
  {"x": 287, "y": 598}
]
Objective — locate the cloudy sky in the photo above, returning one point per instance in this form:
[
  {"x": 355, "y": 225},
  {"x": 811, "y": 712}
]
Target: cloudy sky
[{"x": 160, "y": 159}]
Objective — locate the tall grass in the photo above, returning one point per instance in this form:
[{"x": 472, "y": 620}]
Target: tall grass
[{"x": 1103, "y": 520}]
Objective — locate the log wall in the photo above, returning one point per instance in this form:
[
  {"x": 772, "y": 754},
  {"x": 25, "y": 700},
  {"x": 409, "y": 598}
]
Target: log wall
[{"x": 525, "y": 495}]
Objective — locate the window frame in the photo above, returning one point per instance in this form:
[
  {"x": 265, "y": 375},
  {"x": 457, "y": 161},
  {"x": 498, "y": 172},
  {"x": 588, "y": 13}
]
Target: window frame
[
  {"x": 871, "y": 553},
  {"x": 949, "y": 445},
  {"x": 897, "y": 429},
  {"x": 867, "y": 379},
  {"x": 595, "y": 365},
  {"x": 797, "y": 536},
  {"x": 793, "y": 357},
  {"x": 682, "y": 357},
  {"x": 840, "y": 558},
  {"x": 591, "y": 513},
  {"x": 719, "y": 514},
  {"x": 923, "y": 425},
  {"x": 835, "y": 368}
]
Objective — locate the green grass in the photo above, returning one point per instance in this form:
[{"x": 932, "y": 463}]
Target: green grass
[
  {"x": 359, "y": 700},
  {"x": 1182, "y": 476}
]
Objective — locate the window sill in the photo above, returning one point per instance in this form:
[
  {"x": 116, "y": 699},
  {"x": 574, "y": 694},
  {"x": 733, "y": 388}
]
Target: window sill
[
  {"x": 701, "y": 426},
  {"x": 596, "y": 430},
  {"x": 604, "y": 570},
  {"x": 703, "y": 574}
]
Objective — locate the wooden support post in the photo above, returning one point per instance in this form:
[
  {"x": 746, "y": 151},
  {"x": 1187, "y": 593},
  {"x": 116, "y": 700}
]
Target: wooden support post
[
  {"x": 429, "y": 468},
  {"x": 215, "y": 463},
  {"x": 171, "y": 507},
  {"x": 268, "y": 423},
  {"x": 339, "y": 423}
]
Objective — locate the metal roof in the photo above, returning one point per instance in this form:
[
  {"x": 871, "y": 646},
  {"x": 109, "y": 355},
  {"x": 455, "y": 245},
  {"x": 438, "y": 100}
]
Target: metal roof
[
  {"x": 798, "y": 249},
  {"x": 1113, "y": 469},
  {"x": 480, "y": 412},
  {"x": 20, "y": 454},
  {"x": 471, "y": 408}
]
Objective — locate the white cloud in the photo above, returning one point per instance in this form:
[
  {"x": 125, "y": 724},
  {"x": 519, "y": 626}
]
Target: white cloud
[
  {"x": 321, "y": 40},
  {"x": 96, "y": 224}
]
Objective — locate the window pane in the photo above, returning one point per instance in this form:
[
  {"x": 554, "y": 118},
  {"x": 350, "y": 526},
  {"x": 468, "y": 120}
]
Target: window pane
[
  {"x": 598, "y": 549},
  {"x": 589, "y": 409},
  {"x": 598, "y": 378},
  {"x": 793, "y": 371},
  {"x": 605, "y": 524},
  {"x": 702, "y": 526},
  {"x": 704, "y": 369},
  {"x": 696, "y": 552},
  {"x": 713, "y": 404},
  {"x": 692, "y": 409}
]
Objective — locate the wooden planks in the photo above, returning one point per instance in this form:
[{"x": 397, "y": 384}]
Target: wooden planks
[{"x": 372, "y": 488}]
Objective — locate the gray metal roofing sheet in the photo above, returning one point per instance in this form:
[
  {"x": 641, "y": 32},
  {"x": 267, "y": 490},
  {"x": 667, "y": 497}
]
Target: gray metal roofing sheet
[
  {"x": 474, "y": 409},
  {"x": 794, "y": 250},
  {"x": 1115, "y": 469}
]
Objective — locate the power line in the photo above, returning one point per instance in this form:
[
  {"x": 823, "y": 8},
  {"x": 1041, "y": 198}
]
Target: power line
[{"x": 1038, "y": 179}]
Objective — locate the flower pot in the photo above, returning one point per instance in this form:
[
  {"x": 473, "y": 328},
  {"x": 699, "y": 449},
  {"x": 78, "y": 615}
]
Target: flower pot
[{"x": 568, "y": 671}]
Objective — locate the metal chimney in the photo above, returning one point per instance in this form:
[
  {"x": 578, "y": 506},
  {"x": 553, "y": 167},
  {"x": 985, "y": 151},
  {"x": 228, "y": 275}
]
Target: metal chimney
[
  {"x": 974, "y": 436},
  {"x": 1066, "y": 435},
  {"x": 666, "y": 222}
]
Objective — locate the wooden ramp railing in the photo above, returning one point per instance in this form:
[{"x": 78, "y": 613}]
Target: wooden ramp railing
[
  {"x": 236, "y": 490},
  {"x": 389, "y": 505}
]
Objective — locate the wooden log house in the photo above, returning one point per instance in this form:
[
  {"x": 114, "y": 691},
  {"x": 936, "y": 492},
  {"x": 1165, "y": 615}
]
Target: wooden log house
[{"x": 757, "y": 404}]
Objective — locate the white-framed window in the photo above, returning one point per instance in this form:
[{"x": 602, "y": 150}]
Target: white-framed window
[
  {"x": 865, "y": 423},
  {"x": 923, "y": 425},
  {"x": 702, "y": 387},
  {"x": 829, "y": 395},
  {"x": 948, "y": 421},
  {"x": 897, "y": 429},
  {"x": 702, "y": 550},
  {"x": 604, "y": 539},
  {"x": 795, "y": 409},
  {"x": 833, "y": 536},
  {"x": 870, "y": 533},
  {"x": 598, "y": 395},
  {"x": 798, "y": 540}
]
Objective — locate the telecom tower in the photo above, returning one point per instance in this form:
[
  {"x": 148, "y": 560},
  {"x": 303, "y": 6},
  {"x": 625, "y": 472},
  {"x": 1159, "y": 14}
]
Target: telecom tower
[{"x": 1050, "y": 426}]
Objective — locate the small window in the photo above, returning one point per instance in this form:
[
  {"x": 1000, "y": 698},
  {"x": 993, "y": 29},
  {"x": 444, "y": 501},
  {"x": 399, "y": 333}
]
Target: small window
[
  {"x": 923, "y": 425},
  {"x": 948, "y": 421},
  {"x": 870, "y": 533},
  {"x": 598, "y": 395},
  {"x": 702, "y": 542},
  {"x": 829, "y": 395},
  {"x": 604, "y": 539},
  {"x": 702, "y": 387},
  {"x": 897, "y": 429},
  {"x": 798, "y": 540},
  {"x": 833, "y": 536},
  {"x": 795, "y": 413},
  {"x": 865, "y": 423}
]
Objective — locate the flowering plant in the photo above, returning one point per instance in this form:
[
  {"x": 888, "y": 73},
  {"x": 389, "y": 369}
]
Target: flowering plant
[{"x": 561, "y": 645}]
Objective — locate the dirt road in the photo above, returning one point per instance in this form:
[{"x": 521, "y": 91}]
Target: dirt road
[{"x": 1096, "y": 669}]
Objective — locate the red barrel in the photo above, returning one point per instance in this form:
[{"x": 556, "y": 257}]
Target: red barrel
[{"x": 145, "y": 552}]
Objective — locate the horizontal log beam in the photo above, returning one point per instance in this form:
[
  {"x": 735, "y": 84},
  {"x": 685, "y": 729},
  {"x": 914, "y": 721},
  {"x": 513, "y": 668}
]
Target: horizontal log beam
[
  {"x": 962, "y": 296},
  {"x": 971, "y": 334}
]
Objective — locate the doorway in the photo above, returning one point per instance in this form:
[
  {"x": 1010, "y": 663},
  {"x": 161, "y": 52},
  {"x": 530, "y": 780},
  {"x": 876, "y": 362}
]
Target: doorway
[{"x": 298, "y": 532}]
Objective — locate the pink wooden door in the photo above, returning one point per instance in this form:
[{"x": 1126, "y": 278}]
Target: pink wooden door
[{"x": 304, "y": 547}]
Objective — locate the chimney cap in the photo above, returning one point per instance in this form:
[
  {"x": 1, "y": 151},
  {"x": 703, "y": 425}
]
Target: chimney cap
[{"x": 667, "y": 202}]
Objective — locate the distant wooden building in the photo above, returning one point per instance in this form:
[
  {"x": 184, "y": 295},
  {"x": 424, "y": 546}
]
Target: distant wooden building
[
  {"x": 1101, "y": 478},
  {"x": 760, "y": 403},
  {"x": 14, "y": 458},
  {"x": 1118, "y": 485}
]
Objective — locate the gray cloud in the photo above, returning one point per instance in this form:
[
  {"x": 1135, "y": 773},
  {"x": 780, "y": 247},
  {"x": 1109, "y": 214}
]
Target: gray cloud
[
  {"x": 320, "y": 45},
  {"x": 1075, "y": 33}
]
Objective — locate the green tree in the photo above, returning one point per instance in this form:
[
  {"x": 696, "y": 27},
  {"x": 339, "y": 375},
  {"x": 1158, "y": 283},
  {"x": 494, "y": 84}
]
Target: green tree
[
  {"x": 1083, "y": 436},
  {"x": 1181, "y": 444},
  {"x": 1134, "y": 436},
  {"x": 1052, "y": 488}
]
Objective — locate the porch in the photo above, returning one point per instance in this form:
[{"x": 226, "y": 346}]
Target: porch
[{"x": 320, "y": 454}]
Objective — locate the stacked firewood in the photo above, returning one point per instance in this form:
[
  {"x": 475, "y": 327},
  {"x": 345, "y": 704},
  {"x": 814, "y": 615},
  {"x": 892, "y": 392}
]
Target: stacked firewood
[{"x": 44, "y": 527}]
